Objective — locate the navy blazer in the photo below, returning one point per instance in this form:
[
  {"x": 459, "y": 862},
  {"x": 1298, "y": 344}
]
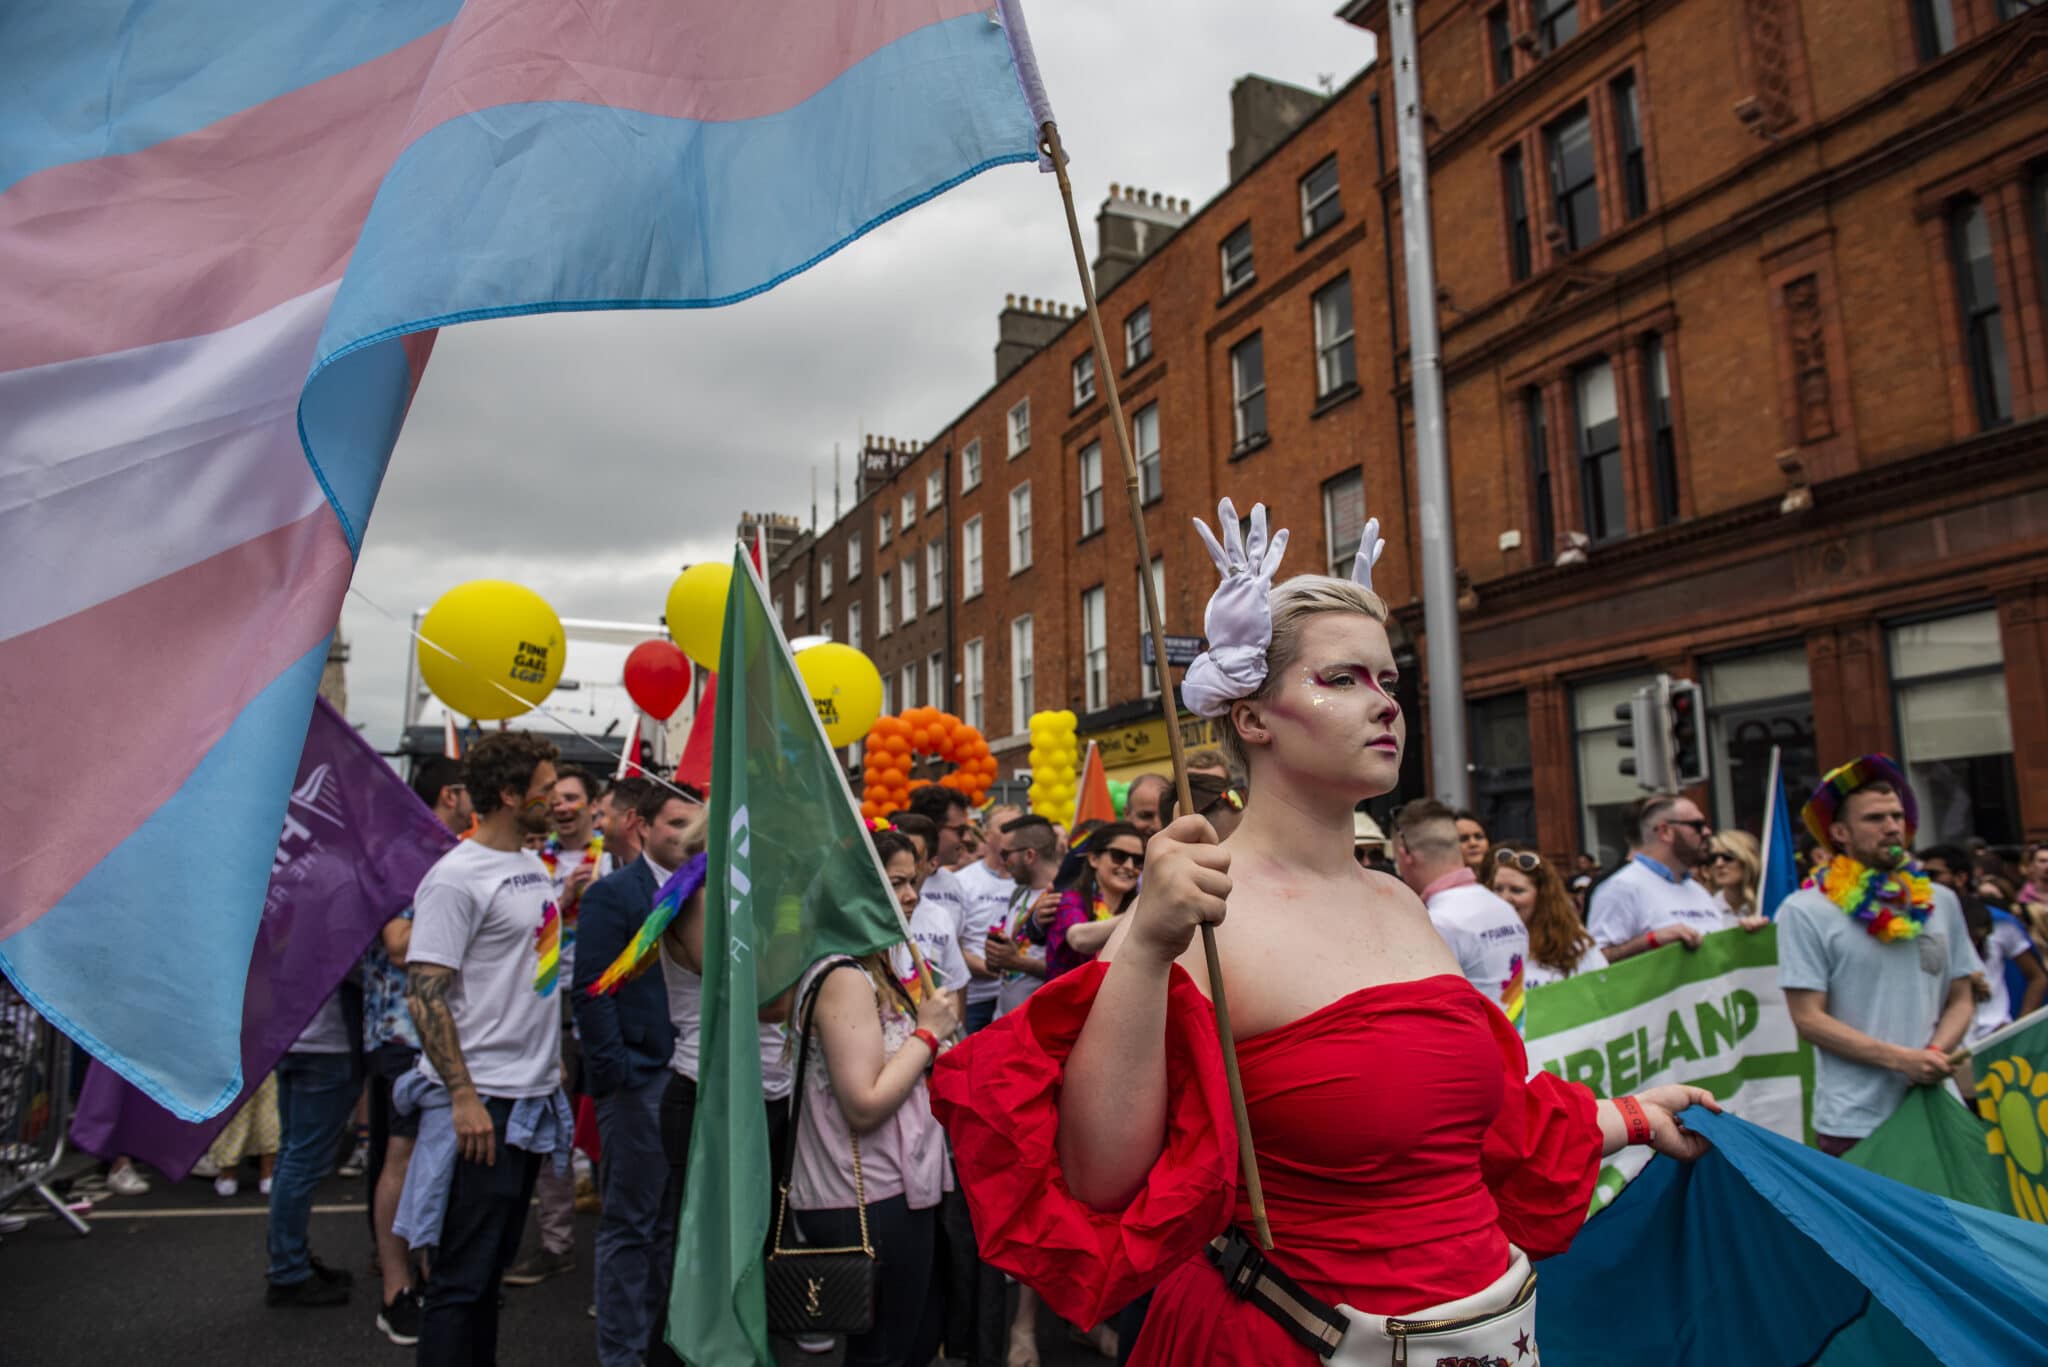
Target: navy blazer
[{"x": 627, "y": 1036}]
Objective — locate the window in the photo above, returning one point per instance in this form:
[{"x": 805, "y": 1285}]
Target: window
[
  {"x": 935, "y": 679},
  {"x": 1237, "y": 259},
  {"x": 853, "y": 625},
  {"x": 1663, "y": 443},
  {"x": 1756, "y": 701},
  {"x": 970, "y": 683},
  {"x": 970, "y": 558},
  {"x": 1601, "y": 492},
  {"x": 1020, "y": 528},
  {"x": 1021, "y": 695},
  {"x": 780, "y": 620},
  {"x": 1516, "y": 192},
  {"x": 825, "y": 628},
  {"x": 935, "y": 574},
  {"x": 1574, "y": 185},
  {"x": 824, "y": 579},
  {"x": 934, "y": 490},
  {"x": 1955, "y": 732},
  {"x": 1084, "y": 378},
  {"x": 1321, "y": 206},
  {"x": 1934, "y": 27},
  {"x": 1095, "y": 648},
  {"x": 970, "y": 465},
  {"x": 885, "y": 528},
  {"x": 1138, "y": 336},
  {"x": 1343, "y": 519},
  {"x": 909, "y": 510},
  {"x": 884, "y": 622},
  {"x": 801, "y": 606},
  {"x": 1248, "y": 389},
  {"x": 1145, "y": 445},
  {"x": 1336, "y": 357},
  {"x": 1148, "y": 678},
  {"x": 1500, "y": 45},
  {"x": 852, "y": 556},
  {"x": 1605, "y": 793},
  {"x": 910, "y": 687},
  {"x": 2013, "y": 9},
  {"x": 1091, "y": 488},
  {"x": 1538, "y": 426},
  {"x": 1503, "y": 774},
  {"x": 889, "y": 708},
  {"x": 908, "y": 571},
  {"x": 1628, "y": 134},
  {"x": 1020, "y": 428},
  {"x": 1983, "y": 325},
  {"x": 1557, "y": 23}
]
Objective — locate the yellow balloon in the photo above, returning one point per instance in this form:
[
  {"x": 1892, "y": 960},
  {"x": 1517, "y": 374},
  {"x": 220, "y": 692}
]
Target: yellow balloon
[
  {"x": 503, "y": 636},
  {"x": 696, "y": 611},
  {"x": 845, "y": 687}
]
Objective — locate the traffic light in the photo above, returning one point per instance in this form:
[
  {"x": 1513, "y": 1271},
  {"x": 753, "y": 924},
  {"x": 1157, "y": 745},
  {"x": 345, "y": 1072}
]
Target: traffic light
[
  {"x": 1648, "y": 761},
  {"x": 1686, "y": 708}
]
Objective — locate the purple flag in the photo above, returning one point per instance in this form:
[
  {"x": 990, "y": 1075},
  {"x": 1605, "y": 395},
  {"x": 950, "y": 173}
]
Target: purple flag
[{"x": 355, "y": 844}]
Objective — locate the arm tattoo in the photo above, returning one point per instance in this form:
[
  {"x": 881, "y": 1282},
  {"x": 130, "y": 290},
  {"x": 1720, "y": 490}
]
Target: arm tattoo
[{"x": 426, "y": 995}]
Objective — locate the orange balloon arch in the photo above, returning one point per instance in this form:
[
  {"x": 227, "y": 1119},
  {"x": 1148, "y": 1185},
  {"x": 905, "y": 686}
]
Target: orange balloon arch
[{"x": 892, "y": 750}]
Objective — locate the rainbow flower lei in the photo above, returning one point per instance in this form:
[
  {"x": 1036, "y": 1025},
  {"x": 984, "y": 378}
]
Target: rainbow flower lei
[{"x": 1892, "y": 906}]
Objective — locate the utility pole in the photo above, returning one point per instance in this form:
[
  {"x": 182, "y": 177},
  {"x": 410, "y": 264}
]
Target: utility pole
[{"x": 1452, "y": 777}]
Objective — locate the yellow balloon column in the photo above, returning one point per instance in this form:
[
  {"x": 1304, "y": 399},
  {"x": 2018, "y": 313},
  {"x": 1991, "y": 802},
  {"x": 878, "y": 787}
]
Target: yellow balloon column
[
  {"x": 497, "y": 649},
  {"x": 1055, "y": 761}
]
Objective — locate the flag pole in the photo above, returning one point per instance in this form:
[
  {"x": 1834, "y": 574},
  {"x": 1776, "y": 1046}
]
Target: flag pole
[
  {"x": 1049, "y": 137},
  {"x": 1770, "y": 818}
]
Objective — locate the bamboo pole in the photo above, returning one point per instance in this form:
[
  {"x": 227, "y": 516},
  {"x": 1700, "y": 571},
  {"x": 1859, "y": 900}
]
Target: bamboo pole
[{"x": 1049, "y": 136}]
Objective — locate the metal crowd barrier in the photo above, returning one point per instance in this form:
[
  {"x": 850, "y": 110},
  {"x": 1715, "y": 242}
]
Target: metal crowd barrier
[{"x": 35, "y": 1105}]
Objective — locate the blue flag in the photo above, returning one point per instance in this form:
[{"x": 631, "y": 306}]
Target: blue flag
[{"x": 1781, "y": 855}]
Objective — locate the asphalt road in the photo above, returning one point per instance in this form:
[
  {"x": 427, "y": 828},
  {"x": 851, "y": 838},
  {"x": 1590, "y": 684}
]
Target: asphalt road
[{"x": 175, "y": 1277}]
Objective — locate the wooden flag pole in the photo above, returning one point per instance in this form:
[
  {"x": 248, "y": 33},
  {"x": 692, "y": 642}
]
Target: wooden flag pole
[{"x": 1049, "y": 138}]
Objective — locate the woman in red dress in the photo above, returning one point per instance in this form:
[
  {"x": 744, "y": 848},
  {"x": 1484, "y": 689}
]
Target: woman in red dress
[{"x": 1409, "y": 1162}]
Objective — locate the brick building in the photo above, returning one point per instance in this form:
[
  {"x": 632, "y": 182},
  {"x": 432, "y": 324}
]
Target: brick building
[{"x": 1744, "y": 369}]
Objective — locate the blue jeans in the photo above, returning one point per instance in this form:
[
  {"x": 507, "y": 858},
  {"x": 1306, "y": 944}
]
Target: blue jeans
[
  {"x": 980, "y": 1014},
  {"x": 636, "y": 1226},
  {"x": 316, "y": 1093}
]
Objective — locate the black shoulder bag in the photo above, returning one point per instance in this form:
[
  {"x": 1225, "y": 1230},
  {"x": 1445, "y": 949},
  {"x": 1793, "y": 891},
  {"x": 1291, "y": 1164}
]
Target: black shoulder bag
[{"x": 819, "y": 1290}]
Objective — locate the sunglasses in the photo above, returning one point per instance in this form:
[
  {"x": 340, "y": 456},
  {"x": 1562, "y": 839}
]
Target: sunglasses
[
  {"x": 1123, "y": 857},
  {"x": 1525, "y": 860},
  {"x": 1700, "y": 827},
  {"x": 1720, "y": 857}
]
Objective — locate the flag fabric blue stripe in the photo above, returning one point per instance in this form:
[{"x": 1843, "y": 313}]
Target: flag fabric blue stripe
[
  {"x": 1781, "y": 877},
  {"x": 161, "y": 899},
  {"x": 97, "y": 78}
]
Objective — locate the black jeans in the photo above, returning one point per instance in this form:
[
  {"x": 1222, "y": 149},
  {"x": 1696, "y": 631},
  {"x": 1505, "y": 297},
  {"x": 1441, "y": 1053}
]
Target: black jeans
[
  {"x": 678, "y": 1114},
  {"x": 906, "y": 1332},
  {"x": 479, "y": 1240},
  {"x": 385, "y": 1065},
  {"x": 977, "y": 1330}
]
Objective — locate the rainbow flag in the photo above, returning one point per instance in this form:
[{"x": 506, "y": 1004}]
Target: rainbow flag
[
  {"x": 1511, "y": 996},
  {"x": 228, "y": 233}
]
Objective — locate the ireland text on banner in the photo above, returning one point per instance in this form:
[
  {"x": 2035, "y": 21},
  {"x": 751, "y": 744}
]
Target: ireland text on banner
[
  {"x": 1994, "y": 1155},
  {"x": 356, "y": 842},
  {"x": 1713, "y": 1017},
  {"x": 792, "y": 879},
  {"x": 297, "y": 196}
]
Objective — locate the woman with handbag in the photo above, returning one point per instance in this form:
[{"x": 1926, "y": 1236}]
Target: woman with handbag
[
  {"x": 1412, "y": 1167},
  {"x": 870, "y": 1160}
]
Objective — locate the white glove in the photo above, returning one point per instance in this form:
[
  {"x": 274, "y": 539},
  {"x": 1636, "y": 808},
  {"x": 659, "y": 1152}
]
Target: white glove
[
  {"x": 1370, "y": 547},
  {"x": 1239, "y": 622}
]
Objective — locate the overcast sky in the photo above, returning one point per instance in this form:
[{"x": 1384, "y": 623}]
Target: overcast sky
[{"x": 589, "y": 456}]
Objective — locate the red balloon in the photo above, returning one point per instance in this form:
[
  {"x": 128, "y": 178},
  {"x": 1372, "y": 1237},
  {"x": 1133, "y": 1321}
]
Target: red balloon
[{"x": 658, "y": 678}]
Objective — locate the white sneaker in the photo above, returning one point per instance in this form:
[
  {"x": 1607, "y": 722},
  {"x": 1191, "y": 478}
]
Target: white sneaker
[
  {"x": 206, "y": 1167},
  {"x": 263, "y": 1185},
  {"x": 224, "y": 1185},
  {"x": 13, "y": 1224},
  {"x": 127, "y": 1182},
  {"x": 817, "y": 1344}
]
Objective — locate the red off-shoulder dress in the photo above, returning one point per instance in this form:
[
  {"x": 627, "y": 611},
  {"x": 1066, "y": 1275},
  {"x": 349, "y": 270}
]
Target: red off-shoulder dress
[{"x": 1401, "y": 1145}]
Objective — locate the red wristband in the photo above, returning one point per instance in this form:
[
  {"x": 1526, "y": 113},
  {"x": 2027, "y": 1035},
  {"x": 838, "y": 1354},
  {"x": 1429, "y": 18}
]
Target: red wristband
[
  {"x": 931, "y": 1041},
  {"x": 1632, "y": 1116},
  {"x": 1651, "y": 936}
]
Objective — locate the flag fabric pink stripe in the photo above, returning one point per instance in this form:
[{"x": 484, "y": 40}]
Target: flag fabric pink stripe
[
  {"x": 204, "y": 231},
  {"x": 166, "y": 669}
]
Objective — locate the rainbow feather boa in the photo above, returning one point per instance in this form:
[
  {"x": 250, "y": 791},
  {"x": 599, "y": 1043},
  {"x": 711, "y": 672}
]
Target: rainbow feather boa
[
  {"x": 1892, "y": 905},
  {"x": 634, "y": 959}
]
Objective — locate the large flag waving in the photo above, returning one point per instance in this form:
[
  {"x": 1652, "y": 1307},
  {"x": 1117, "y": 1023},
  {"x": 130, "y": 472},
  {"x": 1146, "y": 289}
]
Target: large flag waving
[
  {"x": 792, "y": 879},
  {"x": 227, "y": 234}
]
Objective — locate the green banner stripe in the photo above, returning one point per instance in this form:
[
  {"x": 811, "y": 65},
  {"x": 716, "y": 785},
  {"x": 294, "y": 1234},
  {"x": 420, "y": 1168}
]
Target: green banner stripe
[{"x": 1592, "y": 997}]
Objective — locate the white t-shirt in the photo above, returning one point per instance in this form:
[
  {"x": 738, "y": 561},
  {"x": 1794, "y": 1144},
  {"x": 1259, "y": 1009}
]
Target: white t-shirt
[
  {"x": 480, "y": 912},
  {"x": 686, "y": 1013},
  {"x": 1535, "y": 974},
  {"x": 1485, "y": 934},
  {"x": 2006, "y": 942},
  {"x": 988, "y": 898},
  {"x": 1637, "y": 898},
  {"x": 936, "y": 926},
  {"x": 327, "y": 1032}
]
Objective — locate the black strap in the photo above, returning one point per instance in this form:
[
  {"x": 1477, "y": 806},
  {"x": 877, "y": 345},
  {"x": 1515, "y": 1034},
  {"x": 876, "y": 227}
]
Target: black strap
[
  {"x": 1248, "y": 1275},
  {"x": 802, "y": 1020}
]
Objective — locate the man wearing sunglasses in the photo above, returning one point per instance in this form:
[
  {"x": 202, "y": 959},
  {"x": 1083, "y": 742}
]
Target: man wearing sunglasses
[{"x": 1653, "y": 900}]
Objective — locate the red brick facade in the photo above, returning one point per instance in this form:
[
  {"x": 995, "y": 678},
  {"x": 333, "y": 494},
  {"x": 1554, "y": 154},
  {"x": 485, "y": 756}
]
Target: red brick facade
[{"x": 1831, "y": 483}]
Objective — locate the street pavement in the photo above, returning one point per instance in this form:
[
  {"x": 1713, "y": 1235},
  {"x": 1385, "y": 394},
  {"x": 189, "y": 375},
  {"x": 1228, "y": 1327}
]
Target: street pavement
[{"x": 175, "y": 1277}]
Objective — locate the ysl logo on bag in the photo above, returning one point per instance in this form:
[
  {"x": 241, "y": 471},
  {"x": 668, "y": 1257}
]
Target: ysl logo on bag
[{"x": 812, "y": 1286}]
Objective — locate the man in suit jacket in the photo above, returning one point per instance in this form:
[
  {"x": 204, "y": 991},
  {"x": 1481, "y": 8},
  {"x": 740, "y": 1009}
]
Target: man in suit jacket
[{"x": 627, "y": 1041}]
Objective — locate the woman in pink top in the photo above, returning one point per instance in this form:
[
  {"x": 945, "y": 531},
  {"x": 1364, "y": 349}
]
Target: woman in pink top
[{"x": 868, "y": 1103}]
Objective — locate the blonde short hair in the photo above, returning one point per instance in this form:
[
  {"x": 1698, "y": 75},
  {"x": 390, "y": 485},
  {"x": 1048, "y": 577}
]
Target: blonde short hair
[{"x": 1294, "y": 602}]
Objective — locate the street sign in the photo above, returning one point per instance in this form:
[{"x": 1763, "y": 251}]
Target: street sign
[{"x": 1180, "y": 650}]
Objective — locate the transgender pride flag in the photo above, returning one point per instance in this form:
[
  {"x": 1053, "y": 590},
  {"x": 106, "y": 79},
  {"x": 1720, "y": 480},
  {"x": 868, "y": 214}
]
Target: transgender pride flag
[{"x": 227, "y": 232}]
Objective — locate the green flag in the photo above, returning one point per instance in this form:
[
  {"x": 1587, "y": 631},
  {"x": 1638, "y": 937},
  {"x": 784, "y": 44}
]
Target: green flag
[
  {"x": 1995, "y": 1156},
  {"x": 791, "y": 879}
]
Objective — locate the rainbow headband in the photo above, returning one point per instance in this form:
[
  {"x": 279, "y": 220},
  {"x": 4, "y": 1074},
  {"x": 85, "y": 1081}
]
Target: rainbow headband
[{"x": 1835, "y": 786}]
